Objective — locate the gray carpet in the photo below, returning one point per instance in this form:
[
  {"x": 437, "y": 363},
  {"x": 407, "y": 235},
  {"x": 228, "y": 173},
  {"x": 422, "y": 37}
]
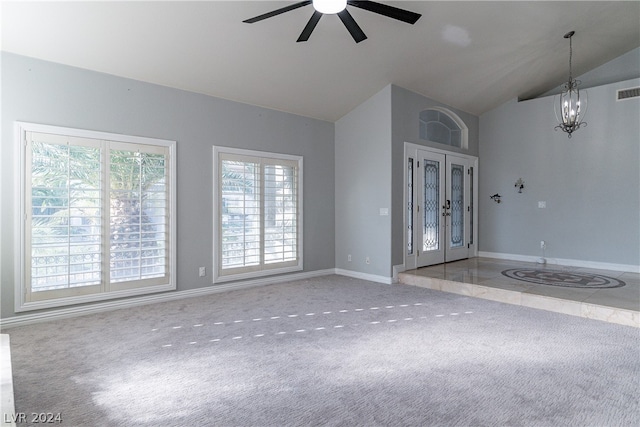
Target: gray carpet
[{"x": 329, "y": 351}]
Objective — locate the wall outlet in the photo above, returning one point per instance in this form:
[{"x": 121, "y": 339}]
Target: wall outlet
[
  {"x": 349, "y": 258},
  {"x": 543, "y": 244},
  {"x": 202, "y": 271},
  {"x": 367, "y": 260}
]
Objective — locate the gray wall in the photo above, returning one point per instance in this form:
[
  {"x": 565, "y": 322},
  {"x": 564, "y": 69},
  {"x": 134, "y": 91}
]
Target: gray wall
[
  {"x": 624, "y": 67},
  {"x": 363, "y": 186},
  {"x": 370, "y": 175},
  {"x": 590, "y": 182},
  {"x": 406, "y": 108},
  {"x": 48, "y": 93}
]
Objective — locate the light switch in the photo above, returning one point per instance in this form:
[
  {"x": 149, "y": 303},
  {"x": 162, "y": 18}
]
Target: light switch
[{"x": 542, "y": 204}]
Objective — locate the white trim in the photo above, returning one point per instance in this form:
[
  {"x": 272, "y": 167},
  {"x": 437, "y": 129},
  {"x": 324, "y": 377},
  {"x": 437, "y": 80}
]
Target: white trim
[
  {"x": 563, "y": 261},
  {"x": 263, "y": 269},
  {"x": 414, "y": 146},
  {"x": 397, "y": 269},
  {"x": 97, "y": 297},
  {"x": 19, "y": 216},
  {"x": 91, "y": 134},
  {"x": 364, "y": 276},
  {"x": 256, "y": 274},
  {"x": 464, "y": 130},
  {"x": 20, "y": 133},
  {"x": 255, "y": 153},
  {"x": 68, "y": 312},
  {"x": 406, "y": 258},
  {"x": 411, "y": 150}
]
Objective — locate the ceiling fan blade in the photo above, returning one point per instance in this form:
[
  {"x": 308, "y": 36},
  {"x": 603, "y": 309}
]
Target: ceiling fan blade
[
  {"x": 311, "y": 25},
  {"x": 389, "y": 11},
  {"x": 348, "y": 21},
  {"x": 277, "y": 12}
]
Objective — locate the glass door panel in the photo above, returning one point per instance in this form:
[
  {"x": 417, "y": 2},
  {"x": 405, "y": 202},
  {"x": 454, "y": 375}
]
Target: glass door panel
[
  {"x": 431, "y": 192},
  {"x": 457, "y": 206},
  {"x": 458, "y": 215},
  {"x": 409, "y": 213},
  {"x": 431, "y": 206}
]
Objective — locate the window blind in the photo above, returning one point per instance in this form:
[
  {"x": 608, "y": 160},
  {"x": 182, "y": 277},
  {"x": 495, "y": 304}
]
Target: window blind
[
  {"x": 138, "y": 213},
  {"x": 97, "y": 216},
  {"x": 66, "y": 212},
  {"x": 259, "y": 211}
]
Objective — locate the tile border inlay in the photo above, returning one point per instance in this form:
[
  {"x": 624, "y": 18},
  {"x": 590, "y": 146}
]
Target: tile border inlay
[{"x": 566, "y": 279}]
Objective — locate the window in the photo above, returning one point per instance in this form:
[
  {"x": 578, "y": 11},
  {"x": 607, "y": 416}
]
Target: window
[
  {"x": 98, "y": 216},
  {"x": 444, "y": 127},
  {"x": 257, "y": 213}
]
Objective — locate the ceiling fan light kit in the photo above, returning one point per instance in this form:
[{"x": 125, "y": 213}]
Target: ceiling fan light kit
[
  {"x": 339, "y": 7},
  {"x": 329, "y": 6}
]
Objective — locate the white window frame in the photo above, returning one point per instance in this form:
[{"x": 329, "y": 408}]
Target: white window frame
[
  {"x": 464, "y": 130},
  {"x": 107, "y": 292},
  {"x": 219, "y": 275}
]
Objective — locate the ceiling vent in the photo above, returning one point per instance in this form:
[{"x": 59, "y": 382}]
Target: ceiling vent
[{"x": 628, "y": 93}]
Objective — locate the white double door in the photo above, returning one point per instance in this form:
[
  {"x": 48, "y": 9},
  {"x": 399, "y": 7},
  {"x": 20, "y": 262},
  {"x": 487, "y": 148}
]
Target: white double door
[{"x": 440, "y": 207}]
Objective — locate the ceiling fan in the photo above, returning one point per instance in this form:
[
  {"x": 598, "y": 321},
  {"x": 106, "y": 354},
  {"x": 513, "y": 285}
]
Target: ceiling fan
[{"x": 339, "y": 7}]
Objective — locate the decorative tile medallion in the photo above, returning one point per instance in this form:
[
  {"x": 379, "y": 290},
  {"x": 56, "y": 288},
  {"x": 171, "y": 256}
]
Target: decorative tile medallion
[{"x": 565, "y": 279}]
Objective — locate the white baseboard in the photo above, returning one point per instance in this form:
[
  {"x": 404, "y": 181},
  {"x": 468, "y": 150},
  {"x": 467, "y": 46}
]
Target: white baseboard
[
  {"x": 564, "y": 262},
  {"x": 364, "y": 276},
  {"x": 397, "y": 269},
  {"x": 27, "y": 319},
  {"x": 62, "y": 313}
]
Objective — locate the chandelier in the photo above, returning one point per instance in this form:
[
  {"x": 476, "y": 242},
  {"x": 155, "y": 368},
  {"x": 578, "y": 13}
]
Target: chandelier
[{"x": 569, "y": 108}]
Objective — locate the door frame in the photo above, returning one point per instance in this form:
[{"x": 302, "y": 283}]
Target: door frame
[{"x": 411, "y": 151}]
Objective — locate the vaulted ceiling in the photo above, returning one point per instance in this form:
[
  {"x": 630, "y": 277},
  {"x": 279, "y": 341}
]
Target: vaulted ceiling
[{"x": 472, "y": 56}]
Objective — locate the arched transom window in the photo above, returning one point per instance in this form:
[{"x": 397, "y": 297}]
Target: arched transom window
[{"x": 444, "y": 127}]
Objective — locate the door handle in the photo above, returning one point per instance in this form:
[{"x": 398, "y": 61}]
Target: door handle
[{"x": 446, "y": 207}]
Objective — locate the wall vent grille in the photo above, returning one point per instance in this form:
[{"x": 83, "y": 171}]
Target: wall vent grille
[{"x": 624, "y": 94}]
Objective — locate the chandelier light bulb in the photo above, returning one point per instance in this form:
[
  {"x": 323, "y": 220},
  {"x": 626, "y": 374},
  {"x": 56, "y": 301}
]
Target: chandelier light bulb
[{"x": 329, "y": 6}]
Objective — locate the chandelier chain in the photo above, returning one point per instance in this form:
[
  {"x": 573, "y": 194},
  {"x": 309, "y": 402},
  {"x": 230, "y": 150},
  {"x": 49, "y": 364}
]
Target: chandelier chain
[{"x": 570, "y": 56}]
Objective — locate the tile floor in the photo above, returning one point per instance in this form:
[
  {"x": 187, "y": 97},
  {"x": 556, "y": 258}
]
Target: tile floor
[{"x": 482, "y": 278}]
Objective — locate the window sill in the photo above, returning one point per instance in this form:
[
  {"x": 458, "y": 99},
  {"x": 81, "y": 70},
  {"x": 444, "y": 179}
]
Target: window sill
[
  {"x": 83, "y": 299},
  {"x": 256, "y": 274}
]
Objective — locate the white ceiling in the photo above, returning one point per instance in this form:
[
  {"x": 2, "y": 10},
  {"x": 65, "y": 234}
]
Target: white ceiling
[{"x": 472, "y": 56}]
